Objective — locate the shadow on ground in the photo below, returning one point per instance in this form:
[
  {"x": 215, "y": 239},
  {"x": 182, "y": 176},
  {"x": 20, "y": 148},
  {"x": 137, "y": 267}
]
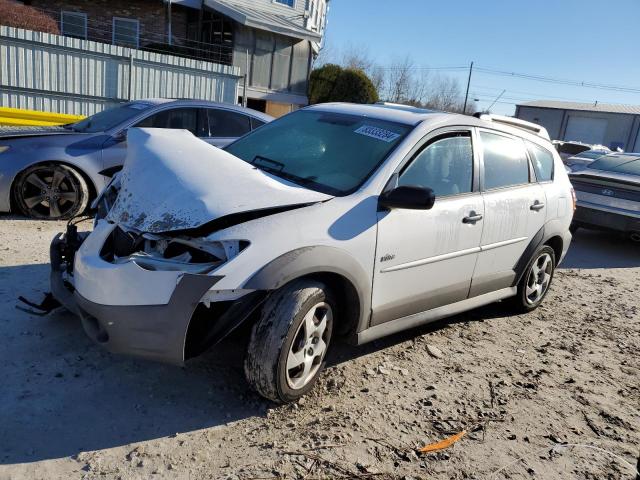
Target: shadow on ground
[{"x": 61, "y": 394}]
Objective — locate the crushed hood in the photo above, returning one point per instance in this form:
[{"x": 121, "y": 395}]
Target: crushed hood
[
  {"x": 173, "y": 181},
  {"x": 16, "y": 132}
]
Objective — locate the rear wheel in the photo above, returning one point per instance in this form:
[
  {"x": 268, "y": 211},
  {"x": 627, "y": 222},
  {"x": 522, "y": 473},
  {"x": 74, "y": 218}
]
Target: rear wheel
[
  {"x": 535, "y": 282},
  {"x": 289, "y": 342},
  {"x": 50, "y": 191}
]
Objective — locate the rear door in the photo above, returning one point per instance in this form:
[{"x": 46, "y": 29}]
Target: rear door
[
  {"x": 515, "y": 210},
  {"x": 425, "y": 258}
]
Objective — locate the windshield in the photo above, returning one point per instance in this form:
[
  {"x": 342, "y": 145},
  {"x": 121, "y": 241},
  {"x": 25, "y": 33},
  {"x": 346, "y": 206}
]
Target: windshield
[
  {"x": 108, "y": 119},
  {"x": 332, "y": 153},
  {"x": 628, "y": 165}
]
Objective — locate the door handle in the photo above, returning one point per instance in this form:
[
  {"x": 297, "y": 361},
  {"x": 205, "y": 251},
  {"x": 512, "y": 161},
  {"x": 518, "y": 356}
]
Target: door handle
[
  {"x": 537, "y": 205},
  {"x": 472, "y": 218}
]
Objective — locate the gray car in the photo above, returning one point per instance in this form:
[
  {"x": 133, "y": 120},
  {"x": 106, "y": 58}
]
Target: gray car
[
  {"x": 608, "y": 192},
  {"x": 54, "y": 172}
]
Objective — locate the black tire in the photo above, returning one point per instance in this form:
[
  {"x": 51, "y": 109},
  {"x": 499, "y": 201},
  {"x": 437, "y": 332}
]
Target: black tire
[
  {"x": 523, "y": 302},
  {"x": 50, "y": 191},
  {"x": 273, "y": 335}
]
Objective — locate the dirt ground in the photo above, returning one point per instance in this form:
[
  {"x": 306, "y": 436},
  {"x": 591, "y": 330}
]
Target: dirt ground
[{"x": 569, "y": 372}]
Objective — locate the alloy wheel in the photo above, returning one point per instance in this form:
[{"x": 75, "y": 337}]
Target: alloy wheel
[
  {"x": 539, "y": 278},
  {"x": 49, "y": 192},
  {"x": 309, "y": 346}
]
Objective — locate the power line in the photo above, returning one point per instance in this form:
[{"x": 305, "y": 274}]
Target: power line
[{"x": 560, "y": 81}]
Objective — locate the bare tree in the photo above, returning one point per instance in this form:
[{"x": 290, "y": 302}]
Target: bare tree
[
  {"x": 444, "y": 93},
  {"x": 358, "y": 57}
]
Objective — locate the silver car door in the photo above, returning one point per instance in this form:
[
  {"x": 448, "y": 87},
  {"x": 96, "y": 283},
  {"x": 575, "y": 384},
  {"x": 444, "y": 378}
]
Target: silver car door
[{"x": 425, "y": 258}]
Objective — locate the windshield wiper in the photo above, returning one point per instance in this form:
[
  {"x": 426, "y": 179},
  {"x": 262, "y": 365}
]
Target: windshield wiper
[{"x": 276, "y": 168}]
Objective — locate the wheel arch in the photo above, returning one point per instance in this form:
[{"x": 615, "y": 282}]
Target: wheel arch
[
  {"x": 93, "y": 189},
  {"x": 557, "y": 244},
  {"x": 330, "y": 265}
]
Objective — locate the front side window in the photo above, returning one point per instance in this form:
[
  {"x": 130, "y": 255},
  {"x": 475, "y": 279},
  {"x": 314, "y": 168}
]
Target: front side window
[
  {"x": 125, "y": 32},
  {"x": 227, "y": 124},
  {"x": 329, "y": 152},
  {"x": 445, "y": 166},
  {"x": 178, "y": 118},
  {"x": 110, "y": 118},
  {"x": 505, "y": 161},
  {"x": 542, "y": 162},
  {"x": 74, "y": 24}
]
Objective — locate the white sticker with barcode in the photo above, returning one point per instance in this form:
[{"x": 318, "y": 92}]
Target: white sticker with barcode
[{"x": 377, "y": 133}]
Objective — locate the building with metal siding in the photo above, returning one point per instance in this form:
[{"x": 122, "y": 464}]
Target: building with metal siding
[
  {"x": 271, "y": 42},
  {"x": 615, "y": 126}
]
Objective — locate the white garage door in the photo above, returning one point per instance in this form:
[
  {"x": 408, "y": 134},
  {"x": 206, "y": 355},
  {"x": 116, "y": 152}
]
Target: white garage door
[{"x": 585, "y": 129}]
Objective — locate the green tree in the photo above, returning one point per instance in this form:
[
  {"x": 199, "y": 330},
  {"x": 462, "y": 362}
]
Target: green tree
[
  {"x": 322, "y": 82},
  {"x": 332, "y": 83}
]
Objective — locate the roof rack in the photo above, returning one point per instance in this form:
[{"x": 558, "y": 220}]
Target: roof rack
[
  {"x": 515, "y": 122},
  {"x": 401, "y": 106}
]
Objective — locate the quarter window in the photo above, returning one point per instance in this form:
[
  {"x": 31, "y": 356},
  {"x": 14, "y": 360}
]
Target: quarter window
[
  {"x": 542, "y": 162},
  {"x": 505, "y": 161},
  {"x": 445, "y": 166},
  {"x": 225, "y": 124}
]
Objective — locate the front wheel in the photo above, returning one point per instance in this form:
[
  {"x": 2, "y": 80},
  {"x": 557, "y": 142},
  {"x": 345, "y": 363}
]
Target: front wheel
[
  {"x": 535, "y": 282},
  {"x": 50, "y": 191},
  {"x": 289, "y": 342}
]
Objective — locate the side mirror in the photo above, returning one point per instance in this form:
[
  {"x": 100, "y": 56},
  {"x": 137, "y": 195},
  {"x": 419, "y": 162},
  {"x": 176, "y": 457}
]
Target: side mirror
[{"x": 410, "y": 197}]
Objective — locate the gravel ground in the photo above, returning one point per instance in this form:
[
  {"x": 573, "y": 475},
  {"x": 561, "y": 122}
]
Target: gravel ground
[{"x": 568, "y": 372}]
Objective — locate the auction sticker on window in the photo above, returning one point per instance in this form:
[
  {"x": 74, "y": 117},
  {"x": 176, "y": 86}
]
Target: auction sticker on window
[{"x": 377, "y": 133}]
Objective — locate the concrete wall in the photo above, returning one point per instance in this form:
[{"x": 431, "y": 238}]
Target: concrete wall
[{"x": 621, "y": 128}]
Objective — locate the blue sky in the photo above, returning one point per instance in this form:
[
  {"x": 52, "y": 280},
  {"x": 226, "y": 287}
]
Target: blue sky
[{"x": 589, "y": 40}]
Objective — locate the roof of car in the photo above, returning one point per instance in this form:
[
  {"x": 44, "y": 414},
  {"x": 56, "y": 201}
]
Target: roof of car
[
  {"x": 190, "y": 101},
  {"x": 381, "y": 111},
  {"x": 413, "y": 116}
]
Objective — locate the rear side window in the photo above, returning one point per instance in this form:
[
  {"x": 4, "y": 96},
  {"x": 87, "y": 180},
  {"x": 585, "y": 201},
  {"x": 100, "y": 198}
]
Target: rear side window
[
  {"x": 225, "y": 123},
  {"x": 542, "y": 162},
  {"x": 505, "y": 161}
]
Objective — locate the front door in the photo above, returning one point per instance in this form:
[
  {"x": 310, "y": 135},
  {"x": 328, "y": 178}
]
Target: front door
[
  {"x": 425, "y": 258},
  {"x": 515, "y": 210}
]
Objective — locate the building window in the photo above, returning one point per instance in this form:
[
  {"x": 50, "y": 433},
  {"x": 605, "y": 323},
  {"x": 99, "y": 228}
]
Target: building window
[
  {"x": 126, "y": 32},
  {"x": 288, "y": 3},
  {"x": 74, "y": 24}
]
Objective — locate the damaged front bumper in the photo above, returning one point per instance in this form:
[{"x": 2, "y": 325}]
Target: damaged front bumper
[{"x": 169, "y": 330}]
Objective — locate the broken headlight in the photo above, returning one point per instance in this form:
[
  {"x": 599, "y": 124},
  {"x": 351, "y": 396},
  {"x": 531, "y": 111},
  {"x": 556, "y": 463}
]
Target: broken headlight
[{"x": 156, "y": 252}]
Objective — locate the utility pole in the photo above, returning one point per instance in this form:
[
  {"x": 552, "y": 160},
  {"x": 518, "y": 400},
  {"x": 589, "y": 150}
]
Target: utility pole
[{"x": 466, "y": 97}]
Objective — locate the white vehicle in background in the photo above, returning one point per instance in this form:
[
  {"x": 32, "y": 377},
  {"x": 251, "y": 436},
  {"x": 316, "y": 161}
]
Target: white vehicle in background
[
  {"x": 574, "y": 150},
  {"x": 337, "y": 219}
]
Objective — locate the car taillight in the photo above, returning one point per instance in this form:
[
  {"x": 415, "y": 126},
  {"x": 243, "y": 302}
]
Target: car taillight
[{"x": 574, "y": 199}]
